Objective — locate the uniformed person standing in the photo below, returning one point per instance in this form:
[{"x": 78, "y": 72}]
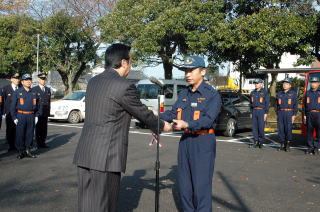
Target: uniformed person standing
[
  {"x": 1, "y": 107},
  {"x": 7, "y": 92},
  {"x": 312, "y": 115},
  {"x": 195, "y": 112},
  {"x": 259, "y": 106},
  {"x": 44, "y": 93},
  {"x": 24, "y": 110},
  {"x": 287, "y": 108}
]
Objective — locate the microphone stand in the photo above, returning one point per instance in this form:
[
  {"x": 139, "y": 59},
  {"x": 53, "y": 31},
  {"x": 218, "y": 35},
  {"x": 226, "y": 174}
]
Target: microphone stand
[{"x": 157, "y": 164}]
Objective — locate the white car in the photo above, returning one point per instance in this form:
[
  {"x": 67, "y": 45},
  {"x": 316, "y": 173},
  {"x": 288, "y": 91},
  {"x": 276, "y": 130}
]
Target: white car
[{"x": 70, "y": 108}]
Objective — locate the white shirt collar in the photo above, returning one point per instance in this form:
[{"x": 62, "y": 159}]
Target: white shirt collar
[{"x": 14, "y": 86}]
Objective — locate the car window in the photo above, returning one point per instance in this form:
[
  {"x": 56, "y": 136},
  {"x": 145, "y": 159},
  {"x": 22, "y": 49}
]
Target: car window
[
  {"x": 225, "y": 98},
  {"x": 77, "y": 95},
  {"x": 169, "y": 95},
  {"x": 147, "y": 91},
  {"x": 234, "y": 98},
  {"x": 242, "y": 101},
  {"x": 180, "y": 88}
]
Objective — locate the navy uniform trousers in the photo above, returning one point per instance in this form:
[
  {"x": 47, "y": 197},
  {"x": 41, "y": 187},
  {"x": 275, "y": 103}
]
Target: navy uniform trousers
[
  {"x": 258, "y": 124},
  {"x": 313, "y": 123},
  {"x": 285, "y": 125},
  {"x": 196, "y": 157},
  {"x": 24, "y": 131}
]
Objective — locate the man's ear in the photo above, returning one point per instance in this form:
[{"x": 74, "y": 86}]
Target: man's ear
[{"x": 203, "y": 71}]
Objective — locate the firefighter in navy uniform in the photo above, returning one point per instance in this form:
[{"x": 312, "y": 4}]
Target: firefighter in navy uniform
[
  {"x": 1, "y": 107},
  {"x": 195, "y": 112},
  {"x": 24, "y": 110},
  {"x": 44, "y": 94},
  {"x": 312, "y": 115},
  {"x": 7, "y": 93},
  {"x": 259, "y": 106},
  {"x": 287, "y": 108}
]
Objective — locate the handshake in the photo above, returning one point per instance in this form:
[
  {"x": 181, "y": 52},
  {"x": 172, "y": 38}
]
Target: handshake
[{"x": 175, "y": 125}]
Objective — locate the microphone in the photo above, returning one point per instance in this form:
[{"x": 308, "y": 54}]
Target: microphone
[
  {"x": 156, "y": 81},
  {"x": 160, "y": 84}
]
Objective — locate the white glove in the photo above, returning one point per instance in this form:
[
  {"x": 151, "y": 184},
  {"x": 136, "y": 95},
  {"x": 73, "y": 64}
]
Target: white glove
[
  {"x": 3, "y": 116},
  {"x": 16, "y": 121},
  {"x": 36, "y": 120}
]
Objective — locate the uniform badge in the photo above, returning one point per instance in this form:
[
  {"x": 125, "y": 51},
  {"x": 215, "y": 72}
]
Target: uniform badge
[
  {"x": 9, "y": 94},
  {"x": 194, "y": 104},
  {"x": 184, "y": 100},
  {"x": 20, "y": 94}
]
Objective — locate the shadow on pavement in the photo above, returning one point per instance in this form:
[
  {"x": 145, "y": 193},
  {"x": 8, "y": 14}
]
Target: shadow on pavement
[
  {"x": 241, "y": 206},
  {"x": 133, "y": 186},
  {"x": 56, "y": 141}
]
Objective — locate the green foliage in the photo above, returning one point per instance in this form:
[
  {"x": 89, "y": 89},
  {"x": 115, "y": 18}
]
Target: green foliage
[
  {"x": 68, "y": 47},
  {"x": 160, "y": 29},
  {"x": 17, "y": 44}
]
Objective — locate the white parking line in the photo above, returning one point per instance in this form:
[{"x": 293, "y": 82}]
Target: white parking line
[{"x": 178, "y": 135}]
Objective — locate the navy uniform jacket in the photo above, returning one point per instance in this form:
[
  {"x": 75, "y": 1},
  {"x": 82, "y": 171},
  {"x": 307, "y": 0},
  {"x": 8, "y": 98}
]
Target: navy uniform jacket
[
  {"x": 287, "y": 100},
  {"x": 312, "y": 101},
  {"x": 200, "y": 108},
  {"x": 7, "y": 92},
  {"x": 45, "y": 99},
  {"x": 23, "y": 100},
  {"x": 260, "y": 99},
  {"x": 1, "y": 103}
]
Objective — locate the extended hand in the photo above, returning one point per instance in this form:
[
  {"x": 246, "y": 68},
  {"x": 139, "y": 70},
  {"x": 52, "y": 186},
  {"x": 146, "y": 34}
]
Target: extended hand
[
  {"x": 167, "y": 127},
  {"x": 293, "y": 118},
  {"x": 265, "y": 117},
  {"x": 180, "y": 124}
]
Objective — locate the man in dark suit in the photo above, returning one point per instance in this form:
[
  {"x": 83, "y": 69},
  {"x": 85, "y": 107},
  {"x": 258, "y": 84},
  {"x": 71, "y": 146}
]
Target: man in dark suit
[
  {"x": 101, "y": 154},
  {"x": 44, "y": 94},
  {"x": 7, "y": 92}
]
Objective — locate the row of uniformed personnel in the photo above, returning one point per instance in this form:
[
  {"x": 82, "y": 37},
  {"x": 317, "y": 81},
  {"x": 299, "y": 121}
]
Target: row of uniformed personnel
[
  {"x": 25, "y": 110},
  {"x": 286, "y": 110}
]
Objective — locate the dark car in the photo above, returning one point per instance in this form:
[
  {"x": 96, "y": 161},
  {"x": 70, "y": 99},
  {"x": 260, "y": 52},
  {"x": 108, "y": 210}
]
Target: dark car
[{"x": 235, "y": 113}]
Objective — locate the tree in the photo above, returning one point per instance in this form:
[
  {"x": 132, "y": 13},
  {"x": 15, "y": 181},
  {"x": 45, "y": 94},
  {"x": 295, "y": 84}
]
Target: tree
[
  {"x": 17, "y": 44},
  {"x": 13, "y": 6},
  {"x": 260, "y": 39},
  {"x": 159, "y": 30},
  {"x": 68, "y": 47}
]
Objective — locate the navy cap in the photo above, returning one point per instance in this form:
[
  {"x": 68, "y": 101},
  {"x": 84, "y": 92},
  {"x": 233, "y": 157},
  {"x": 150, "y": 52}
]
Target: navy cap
[
  {"x": 314, "y": 79},
  {"x": 258, "y": 81},
  {"x": 26, "y": 76},
  {"x": 288, "y": 80},
  {"x": 191, "y": 62},
  {"x": 42, "y": 75},
  {"x": 15, "y": 75}
]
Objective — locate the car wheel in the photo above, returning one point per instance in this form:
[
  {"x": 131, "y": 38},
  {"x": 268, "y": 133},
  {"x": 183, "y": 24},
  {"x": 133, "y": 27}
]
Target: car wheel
[
  {"x": 74, "y": 117},
  {"x": 231, "y": 128}
]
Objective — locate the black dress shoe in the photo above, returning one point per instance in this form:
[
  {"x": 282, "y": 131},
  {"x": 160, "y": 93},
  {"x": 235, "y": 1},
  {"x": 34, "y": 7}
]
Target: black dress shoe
[
  {"x": 21, "y": 154},
  {"x": 260, "y": 145},
  {"x": 287, "y": 146},
  {"x": 309, "y": 151},
  {"x": 29, "y": 154}
]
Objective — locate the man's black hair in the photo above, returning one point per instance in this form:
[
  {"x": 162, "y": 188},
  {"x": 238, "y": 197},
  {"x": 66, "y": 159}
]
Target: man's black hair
[{"x": 115, "y": 54}]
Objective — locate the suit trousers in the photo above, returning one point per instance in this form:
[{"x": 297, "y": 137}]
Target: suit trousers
[
  {"x": 98, "y": 191},
  {"x": 10, "y": 131},
  {"x": 41, "y": 130}
]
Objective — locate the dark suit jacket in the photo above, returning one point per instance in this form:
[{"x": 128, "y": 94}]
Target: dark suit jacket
[
  {"x": 110, "y": 102},
  {"x": 45, "y": 99},
  {"x": 7, "y": 92}
]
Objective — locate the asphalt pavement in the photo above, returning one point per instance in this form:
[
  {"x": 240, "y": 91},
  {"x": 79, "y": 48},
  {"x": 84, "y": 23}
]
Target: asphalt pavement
[{"x": 245, "y": 179}]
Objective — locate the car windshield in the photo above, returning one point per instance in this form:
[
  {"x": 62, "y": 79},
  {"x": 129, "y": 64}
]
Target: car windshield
[
  {"x": 78, "y": 95},
  {"x": 147, "y": 91}
]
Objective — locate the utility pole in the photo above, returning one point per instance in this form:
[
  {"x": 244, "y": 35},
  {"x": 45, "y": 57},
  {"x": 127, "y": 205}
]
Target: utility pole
[{"x": 38, "y": 43}]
